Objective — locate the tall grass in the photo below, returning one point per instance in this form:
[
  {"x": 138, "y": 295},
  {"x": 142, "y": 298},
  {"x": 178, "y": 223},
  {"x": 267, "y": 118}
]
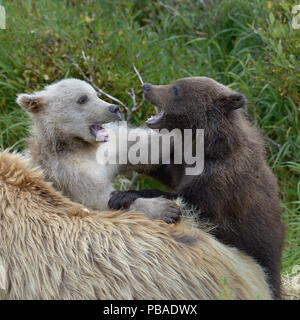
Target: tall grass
[{"x": 248, "y": 45}]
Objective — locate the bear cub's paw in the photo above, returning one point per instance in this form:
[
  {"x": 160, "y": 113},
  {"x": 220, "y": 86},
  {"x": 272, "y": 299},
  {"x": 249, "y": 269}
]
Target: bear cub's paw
[
  {"x": 158, "y": 209},
  {"x": 121, "y": 199},
  {"x": 166, "y": 210},
  {"x": 153, "y": 208}
]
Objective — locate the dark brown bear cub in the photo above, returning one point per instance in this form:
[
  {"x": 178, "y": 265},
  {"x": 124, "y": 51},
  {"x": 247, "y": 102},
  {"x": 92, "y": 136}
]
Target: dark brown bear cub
[{"x": 236, "y": 190}]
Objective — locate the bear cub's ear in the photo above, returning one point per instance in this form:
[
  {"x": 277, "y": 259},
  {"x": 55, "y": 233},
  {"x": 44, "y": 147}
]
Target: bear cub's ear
[
  {"x": 231, "y": 102},
  {"x": 31, "y": 103}
]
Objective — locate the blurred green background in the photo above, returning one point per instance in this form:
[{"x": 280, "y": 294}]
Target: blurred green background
[{"x": 248, "y": 45}]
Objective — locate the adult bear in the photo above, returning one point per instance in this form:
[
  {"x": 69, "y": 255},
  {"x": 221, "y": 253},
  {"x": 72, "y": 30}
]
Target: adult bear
[{"x": 236, "y": 190}]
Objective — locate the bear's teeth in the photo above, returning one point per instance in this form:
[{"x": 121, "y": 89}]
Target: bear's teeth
[
  {"x": 155, "y": 118},
  {"x": 102, "y": 136}
]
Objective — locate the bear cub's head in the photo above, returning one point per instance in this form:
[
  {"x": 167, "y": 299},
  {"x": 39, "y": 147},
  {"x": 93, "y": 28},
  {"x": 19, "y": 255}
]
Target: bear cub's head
[
  {"x": 191, "y": 102},
  {"x": 70, "y": 109}
]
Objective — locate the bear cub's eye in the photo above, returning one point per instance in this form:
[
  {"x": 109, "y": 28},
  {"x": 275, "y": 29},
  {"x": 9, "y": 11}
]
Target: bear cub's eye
[
  {"x": 175, "y": 91},
  {"x": 83, "y": 99}
]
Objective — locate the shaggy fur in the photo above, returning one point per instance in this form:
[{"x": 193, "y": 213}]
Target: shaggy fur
[
  {"x": 51, "y": 248},
  {"x": 236, "y": 190},
  {"x": 64, "y": 145}
]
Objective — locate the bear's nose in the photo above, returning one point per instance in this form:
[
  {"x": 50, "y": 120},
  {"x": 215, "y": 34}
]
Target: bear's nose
[
  {"x": 113, "y": 108},
  {"x": 147, "y": 87}
]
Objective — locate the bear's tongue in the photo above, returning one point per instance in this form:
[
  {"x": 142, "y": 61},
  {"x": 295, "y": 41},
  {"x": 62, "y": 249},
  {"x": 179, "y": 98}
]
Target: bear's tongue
[
  {"x": 155, "y": 118},
  {"x": 99, "y": 133}
]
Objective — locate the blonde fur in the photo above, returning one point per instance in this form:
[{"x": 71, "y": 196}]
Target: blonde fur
[{"x": 52, "y": 248}]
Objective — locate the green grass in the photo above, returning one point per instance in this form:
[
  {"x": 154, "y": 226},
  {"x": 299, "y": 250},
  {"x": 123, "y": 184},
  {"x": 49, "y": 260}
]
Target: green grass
[{"x": 248, "y": 45}]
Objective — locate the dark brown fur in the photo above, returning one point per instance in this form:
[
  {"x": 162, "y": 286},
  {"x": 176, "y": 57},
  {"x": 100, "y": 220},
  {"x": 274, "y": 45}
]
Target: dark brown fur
[{"x": 237, "y": 190}]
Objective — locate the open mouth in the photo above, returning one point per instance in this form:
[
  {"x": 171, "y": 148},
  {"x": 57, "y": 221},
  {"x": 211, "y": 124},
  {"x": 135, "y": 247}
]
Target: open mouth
[
  {"x": 99, "y": 133},
  {"x": 156, "y": 118}
]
